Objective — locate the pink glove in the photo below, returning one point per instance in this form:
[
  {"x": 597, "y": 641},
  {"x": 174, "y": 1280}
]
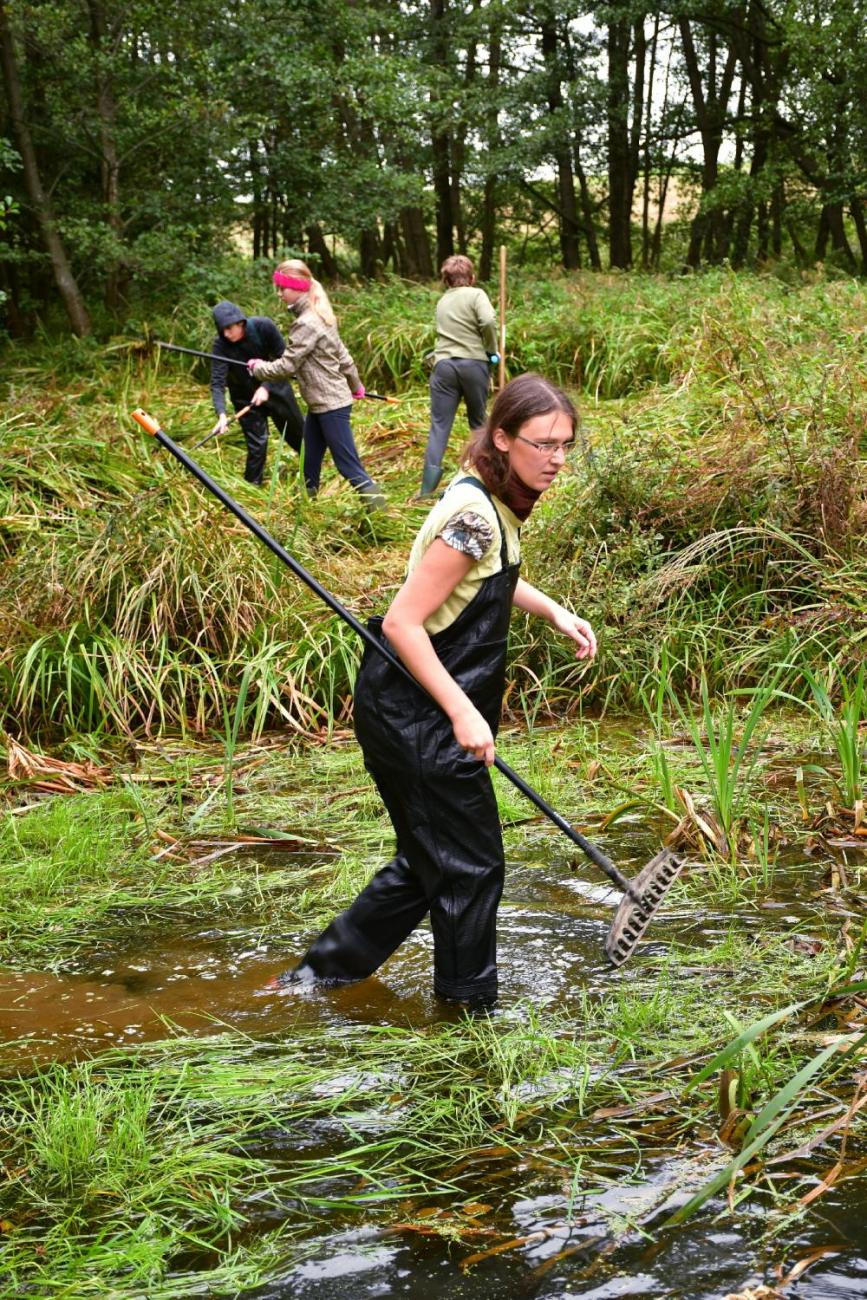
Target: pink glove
[
  {"x": 359, "y": 392},
  {"x": 252, "y": 364}
]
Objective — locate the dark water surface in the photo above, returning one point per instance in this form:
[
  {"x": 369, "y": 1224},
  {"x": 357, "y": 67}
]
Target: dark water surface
[{"x": 161, "y": 979}]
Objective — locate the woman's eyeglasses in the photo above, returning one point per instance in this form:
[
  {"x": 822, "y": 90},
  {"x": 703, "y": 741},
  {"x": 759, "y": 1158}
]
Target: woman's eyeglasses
[{"x": 549, "y": 449}]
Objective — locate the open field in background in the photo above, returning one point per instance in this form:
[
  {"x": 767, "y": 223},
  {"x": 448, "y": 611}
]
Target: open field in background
[{"x": 186, "y": 808}]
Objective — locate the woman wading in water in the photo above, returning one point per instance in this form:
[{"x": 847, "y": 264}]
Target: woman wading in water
[{"x": 429, "y": 753}]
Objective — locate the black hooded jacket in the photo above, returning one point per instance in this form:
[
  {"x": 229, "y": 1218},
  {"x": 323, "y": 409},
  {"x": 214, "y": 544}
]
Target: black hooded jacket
[{"x": 261, "y": 339}]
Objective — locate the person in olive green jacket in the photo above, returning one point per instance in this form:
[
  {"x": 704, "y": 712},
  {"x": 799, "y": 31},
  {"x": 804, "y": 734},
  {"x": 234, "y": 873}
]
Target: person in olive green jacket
[{"x": 466, "y": 342}]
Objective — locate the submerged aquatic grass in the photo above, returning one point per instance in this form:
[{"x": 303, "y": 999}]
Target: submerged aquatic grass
[{"x": 207, "y": 1141}]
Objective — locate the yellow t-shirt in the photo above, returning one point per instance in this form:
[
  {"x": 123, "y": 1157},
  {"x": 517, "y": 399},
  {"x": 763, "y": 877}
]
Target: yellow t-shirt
[{"x": 459, "y": 498}]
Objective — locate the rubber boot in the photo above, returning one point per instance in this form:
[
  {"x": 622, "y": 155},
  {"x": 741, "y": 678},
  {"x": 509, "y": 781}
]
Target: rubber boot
[
  {"x": 373, "y": 497},
  {"x": 302, "y": 975},
  {"x": 430, "y": 480}
]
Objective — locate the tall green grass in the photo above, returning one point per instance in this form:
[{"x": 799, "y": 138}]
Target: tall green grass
[{"x": 718, "y": 510}]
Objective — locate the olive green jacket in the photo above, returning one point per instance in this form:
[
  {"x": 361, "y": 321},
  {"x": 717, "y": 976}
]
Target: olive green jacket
[{"x": 466, "y": 324}]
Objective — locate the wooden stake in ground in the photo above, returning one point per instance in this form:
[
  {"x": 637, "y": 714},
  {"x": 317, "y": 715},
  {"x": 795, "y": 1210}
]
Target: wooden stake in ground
[{"x": 501, "y": 378}]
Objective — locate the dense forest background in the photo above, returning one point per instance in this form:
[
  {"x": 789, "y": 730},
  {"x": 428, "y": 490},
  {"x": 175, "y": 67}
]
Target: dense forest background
[{"x": 138, "y": 140}]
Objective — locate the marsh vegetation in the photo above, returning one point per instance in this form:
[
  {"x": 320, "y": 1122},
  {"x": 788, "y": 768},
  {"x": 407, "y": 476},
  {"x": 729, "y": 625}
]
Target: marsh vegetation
[{"x": 185, "y": 807}]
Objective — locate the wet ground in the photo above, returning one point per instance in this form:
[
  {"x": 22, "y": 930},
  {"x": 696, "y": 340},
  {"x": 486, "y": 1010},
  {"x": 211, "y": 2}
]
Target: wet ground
[
  {"x": 174, "y": 977},
  {"x": 559, "y": 1260},
  {"x": 175, "y": 973}
]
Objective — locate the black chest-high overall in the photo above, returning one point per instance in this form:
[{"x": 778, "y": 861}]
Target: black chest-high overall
[
  {"x": 449, "y": 859},
  {"x": 473, "y": 649}
]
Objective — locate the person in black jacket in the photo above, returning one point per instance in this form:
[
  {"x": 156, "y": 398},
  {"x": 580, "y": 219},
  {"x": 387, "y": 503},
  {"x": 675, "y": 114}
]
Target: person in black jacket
[{"x": 238, "y": 339}]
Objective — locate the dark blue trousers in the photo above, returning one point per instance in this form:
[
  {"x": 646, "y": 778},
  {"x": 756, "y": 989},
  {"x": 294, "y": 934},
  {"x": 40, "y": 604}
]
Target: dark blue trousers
[{"x": 332, "y": 431}]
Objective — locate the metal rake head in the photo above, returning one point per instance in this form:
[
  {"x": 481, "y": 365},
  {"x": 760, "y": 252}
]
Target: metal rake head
[{"x": 632, "y": 918}]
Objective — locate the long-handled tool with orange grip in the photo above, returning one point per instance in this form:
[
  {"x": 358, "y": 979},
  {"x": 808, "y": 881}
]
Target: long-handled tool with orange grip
[
  {"x": 215, "y": 433},
  {"x": 642, "y": 896}
]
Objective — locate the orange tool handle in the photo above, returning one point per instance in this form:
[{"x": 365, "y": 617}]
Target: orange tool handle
[{"x": 147, "y": 422}]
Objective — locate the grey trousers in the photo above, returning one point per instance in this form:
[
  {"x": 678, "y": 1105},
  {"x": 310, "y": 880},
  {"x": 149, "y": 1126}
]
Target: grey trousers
[{"x": 452, "y": 380}]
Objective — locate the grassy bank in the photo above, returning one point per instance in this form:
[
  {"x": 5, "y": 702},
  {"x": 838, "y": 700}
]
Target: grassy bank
[{"x": 716, "y": 509}]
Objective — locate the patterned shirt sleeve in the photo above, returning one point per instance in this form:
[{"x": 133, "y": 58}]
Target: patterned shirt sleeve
[{"x": 469, "y": 533}]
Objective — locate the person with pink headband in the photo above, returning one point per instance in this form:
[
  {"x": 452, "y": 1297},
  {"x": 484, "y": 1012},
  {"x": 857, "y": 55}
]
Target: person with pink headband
[
  {"x": 295, "y": 282},
  {"x": 327, "y": 379}
]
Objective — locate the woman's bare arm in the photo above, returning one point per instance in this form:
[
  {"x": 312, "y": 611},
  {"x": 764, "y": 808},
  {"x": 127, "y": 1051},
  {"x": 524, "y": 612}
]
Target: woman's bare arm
[{"x": 533, "y": 601}]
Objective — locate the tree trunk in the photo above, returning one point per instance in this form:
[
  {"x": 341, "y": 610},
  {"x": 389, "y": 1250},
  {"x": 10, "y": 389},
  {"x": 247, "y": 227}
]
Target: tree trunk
[
  {"x": 619, "y": 147},
  {"x": 570, "y": 252},
  {"x": 778, "y": 201},
  {"x": 257, "y": 199},
  {"x": 418, "y": 263},
  {"x": 711, "y": 108},
  {"x": 64, "y": 279},
  {"x": 117, "y": 281},
  {"x": 664, "y": 180},
  {"x": 800, "y": 251},
  {"x": 392, "y": 249},
  {"x": 458, "y": 157},
  {"x": 317, "y": 245},
  {"x": 748, "y": 210},
  {"x": 856, "y": 207},
  {"x": 762, "y": 231},
  {"x": 440, "y": 141},
  {"x": 822, "y": 234},
  {"x": 488, "y": 221},
  {"x": 645, "y": 196},
  {"x": 588, "y": 210},
  {"x": 639, "y": 50},
  {"x": 735, "y": 212},
  {"x": 369, "y": 253},
  {"x": 837, "y": 230}
]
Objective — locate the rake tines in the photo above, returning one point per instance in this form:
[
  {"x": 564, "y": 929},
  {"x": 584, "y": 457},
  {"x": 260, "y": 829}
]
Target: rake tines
[{"x": 632, "y": 918}]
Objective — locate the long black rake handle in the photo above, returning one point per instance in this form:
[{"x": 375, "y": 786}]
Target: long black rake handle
[
  {"x": 150, "y": 425},
  {"x": 230, "y": 361}
]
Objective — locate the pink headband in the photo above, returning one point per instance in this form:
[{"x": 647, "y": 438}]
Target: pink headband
[{"x": 291, "y": 282}]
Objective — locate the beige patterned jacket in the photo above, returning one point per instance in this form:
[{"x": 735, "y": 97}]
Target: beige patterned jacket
[{"x": 316, "y": 356}]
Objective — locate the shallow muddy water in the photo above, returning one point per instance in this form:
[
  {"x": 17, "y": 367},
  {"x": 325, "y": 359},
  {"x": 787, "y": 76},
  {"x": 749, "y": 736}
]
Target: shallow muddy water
[
  {"x": 581, "y": 1257},
  {"x": 170, "y": 977},
  {"x": 175, "y": 975}
]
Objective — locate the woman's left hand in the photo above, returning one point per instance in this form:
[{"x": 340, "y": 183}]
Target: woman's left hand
[{"x": 578, "y": 629}]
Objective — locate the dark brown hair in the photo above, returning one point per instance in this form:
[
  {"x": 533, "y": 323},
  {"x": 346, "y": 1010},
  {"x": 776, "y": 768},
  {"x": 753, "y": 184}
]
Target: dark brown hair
[
  {"x": 521, "y": 400},
  {"x": 457, "y": 270}
]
